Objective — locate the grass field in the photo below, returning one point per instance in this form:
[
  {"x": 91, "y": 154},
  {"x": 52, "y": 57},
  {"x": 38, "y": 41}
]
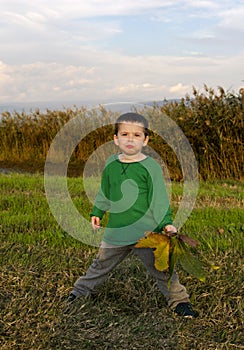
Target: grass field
[{"x": 40, "y": 262}]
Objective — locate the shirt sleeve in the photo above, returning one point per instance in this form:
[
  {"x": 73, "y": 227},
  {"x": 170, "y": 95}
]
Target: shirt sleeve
[
  {"x": 102, "y": 203},
  {"x": 158, "y": 195}
]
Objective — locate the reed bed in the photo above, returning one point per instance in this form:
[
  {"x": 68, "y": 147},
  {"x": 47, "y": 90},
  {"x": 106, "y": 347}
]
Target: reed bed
[{"x": 212, "y": 122}]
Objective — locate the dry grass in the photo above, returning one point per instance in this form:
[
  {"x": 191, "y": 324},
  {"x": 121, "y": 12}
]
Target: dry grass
[
  {"x": 128, "y": 313},
  {"x": 40, "y": 262}
]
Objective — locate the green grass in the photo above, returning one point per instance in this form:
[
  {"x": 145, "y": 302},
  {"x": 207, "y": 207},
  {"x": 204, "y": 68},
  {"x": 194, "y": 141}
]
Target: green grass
[{"x": 40, "y": 262}]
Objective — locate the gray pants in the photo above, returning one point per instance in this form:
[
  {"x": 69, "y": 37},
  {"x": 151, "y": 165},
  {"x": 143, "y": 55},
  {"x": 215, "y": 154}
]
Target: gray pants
[{"x": 108, "y": 258}]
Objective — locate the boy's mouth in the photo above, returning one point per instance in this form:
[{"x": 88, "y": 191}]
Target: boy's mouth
[{"x": 130, "y": 146}]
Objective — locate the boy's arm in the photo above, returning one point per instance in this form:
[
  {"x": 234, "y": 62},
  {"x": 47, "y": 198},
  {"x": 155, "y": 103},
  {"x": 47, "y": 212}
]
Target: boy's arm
[
  {"x": 160, "y": 201},
  {"x": 102, "y": 203},
  {"x": 166, "y": 223}
]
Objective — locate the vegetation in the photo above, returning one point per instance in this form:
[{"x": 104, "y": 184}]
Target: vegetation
[
  {"x": 40, "y": 262},
  {"x": 211, "y": 121}
]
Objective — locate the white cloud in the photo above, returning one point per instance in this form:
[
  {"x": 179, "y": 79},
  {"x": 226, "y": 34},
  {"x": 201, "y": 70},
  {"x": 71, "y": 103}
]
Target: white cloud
[
  {"x": 129, "y": 78},
  {"x": 61, "y": 50},
  {"x": 138, "y": 89},
  {"x": 85, "y": 9},
  {"x": 41, "y": 81},
  {"x": 180, "y": 89},
  {"x": 203, "y": 4},
  {"x": 232, "y": 19}
]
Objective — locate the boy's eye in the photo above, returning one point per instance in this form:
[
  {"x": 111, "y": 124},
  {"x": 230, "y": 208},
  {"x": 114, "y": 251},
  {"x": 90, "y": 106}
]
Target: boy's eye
[{"x": 126, "y": 134}]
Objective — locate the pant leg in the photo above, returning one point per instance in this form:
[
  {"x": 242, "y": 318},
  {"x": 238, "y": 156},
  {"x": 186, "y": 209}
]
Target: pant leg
[
  {"x": 97, "y": 273},
  {"x": 175, "y": 293}
]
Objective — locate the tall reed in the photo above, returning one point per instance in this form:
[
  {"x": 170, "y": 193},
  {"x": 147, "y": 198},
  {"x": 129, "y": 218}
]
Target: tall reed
[
  {"x": 213, "y": 124},
  {"x": 211, "y": 121}
]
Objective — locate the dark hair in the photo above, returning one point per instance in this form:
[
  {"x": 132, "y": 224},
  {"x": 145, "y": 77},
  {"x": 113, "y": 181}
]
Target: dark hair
[{"x": 133, "y": 118}]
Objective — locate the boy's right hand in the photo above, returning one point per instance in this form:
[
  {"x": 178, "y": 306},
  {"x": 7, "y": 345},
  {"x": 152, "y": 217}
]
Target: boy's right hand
[{"x": 95, "y": 221}]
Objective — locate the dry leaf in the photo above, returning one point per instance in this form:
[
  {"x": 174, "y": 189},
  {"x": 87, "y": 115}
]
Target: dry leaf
[
  {"x": 161, "y": 244},
  {"x": 170, "y": 249},
  {"x": 190, "y": 241}
]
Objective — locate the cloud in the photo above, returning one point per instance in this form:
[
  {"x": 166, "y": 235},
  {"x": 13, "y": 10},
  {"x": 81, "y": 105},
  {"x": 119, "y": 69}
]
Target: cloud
[
  {"x": 209, "y": 5},
  {"x": 180, "y": 89},
  {"x": 85, "y": 50},
  {"x": 57, "y": 9},
  {"x": 130, "y": 78},
  {"x": 232, "y": 19},
  {"x": 42, "y": 81}
]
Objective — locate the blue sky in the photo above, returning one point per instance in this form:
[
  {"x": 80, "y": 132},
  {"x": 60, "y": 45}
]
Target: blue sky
[{"x": 123, "y": 50}]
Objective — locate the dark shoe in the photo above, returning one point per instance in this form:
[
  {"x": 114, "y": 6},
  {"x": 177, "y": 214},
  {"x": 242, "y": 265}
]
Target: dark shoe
[
  {"x": 71, "y": 298},
  {"x": 185, "y": 310}
]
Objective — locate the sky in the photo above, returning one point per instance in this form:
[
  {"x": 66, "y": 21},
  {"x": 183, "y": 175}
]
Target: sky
[{"x": 118, "y": 50}]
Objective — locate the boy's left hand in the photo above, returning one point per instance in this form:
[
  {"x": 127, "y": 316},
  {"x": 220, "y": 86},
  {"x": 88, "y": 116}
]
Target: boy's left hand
[{"x": 170, "y": 229}]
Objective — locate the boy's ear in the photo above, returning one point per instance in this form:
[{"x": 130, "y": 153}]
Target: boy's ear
[
  {"x": 116, "y": 140},
  {"x": 146, "y": 141}
]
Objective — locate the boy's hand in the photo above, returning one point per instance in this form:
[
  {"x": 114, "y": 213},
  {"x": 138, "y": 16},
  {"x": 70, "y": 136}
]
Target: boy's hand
[
  {"x": 170, "y": 229},
  {"x": 95, "y": 221}
]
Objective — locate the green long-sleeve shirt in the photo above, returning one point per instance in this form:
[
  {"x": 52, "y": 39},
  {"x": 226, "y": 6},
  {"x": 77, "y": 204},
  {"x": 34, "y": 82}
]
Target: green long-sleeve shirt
[{"x": 136, "y": 198}]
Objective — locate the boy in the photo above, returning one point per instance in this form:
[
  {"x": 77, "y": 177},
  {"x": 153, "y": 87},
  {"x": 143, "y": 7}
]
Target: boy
[{"x": 133, "y": 190}]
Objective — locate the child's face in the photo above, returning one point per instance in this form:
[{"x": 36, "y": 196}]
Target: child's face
[{"x": 131, "y": 138}]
